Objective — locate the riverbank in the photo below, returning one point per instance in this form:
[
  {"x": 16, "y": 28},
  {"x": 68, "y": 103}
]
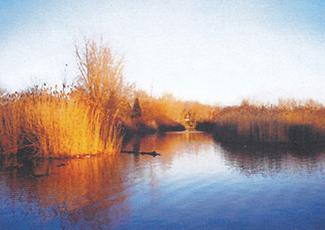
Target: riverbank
[
  {"x": 298, "y": 126},
  {"x": 52, "y": 124},
  {"x": 91, "y": 117}
]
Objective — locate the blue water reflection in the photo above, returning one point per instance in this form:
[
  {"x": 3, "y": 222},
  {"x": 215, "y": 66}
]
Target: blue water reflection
[{"x": 194, "y": 184}]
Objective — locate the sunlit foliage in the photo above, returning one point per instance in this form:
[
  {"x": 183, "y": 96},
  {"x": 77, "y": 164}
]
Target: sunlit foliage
[
  {"x": 167, "y": 109},
  {"x": 102, "y": 79},
  {"x": 75, "y": 121},
  {"x": 51, "y": 123}
]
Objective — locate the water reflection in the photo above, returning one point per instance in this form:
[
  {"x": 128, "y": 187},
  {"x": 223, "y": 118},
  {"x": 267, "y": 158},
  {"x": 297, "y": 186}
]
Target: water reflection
[
  {"x": 76, "y": 189},
  {"x": 171, "y": 143},
  {"x": 92, "y": 191},
  {"x": 193, "y": 173},
  {"x": 273, "y": 159}
]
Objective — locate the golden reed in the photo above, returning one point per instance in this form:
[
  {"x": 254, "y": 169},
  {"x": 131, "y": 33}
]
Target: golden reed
[{"x": 54, "y": 124}]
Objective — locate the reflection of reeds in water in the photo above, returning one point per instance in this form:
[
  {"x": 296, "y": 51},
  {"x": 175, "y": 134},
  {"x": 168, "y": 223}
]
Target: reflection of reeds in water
[
  {"x": 271, "y": 160},
  {"x": 89, "y": 180},
  {"x": 92, "y": 192},
  {"x": 170, "y": 144},
  {"x": 56, "y": 126}
]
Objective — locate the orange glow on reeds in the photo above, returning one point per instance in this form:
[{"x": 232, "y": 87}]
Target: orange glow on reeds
[
  {"x": 53, "y": 125},
  {"x": 169, "y": 110}
]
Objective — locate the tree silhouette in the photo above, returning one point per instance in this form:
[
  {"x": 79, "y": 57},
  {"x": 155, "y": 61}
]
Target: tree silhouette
[{"x": 136, "y": 109}]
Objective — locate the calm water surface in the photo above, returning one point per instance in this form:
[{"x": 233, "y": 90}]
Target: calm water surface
[{"x": 194, "y": 184}]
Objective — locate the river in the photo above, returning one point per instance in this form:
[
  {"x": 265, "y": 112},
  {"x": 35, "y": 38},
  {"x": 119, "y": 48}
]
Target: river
[{"x": 195, "y": 184}]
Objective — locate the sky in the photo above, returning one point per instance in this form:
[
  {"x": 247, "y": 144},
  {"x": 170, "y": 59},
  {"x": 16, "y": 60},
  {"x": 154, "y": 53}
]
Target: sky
[{"x": 214, "y": 52}]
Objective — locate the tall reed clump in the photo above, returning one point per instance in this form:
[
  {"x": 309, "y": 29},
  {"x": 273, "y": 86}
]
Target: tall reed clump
[{"x": 51, "y": 124}]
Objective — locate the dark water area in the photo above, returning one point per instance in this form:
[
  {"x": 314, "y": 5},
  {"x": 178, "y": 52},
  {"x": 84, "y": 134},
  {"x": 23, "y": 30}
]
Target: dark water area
[{"x": 195, "y": 184}]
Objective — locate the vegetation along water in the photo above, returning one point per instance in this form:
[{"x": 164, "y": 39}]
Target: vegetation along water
[{"x": 101, "y": 154}]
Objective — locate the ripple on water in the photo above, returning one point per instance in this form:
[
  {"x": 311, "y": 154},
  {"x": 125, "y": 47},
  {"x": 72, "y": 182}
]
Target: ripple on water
[{"x": 194, "y": 184}]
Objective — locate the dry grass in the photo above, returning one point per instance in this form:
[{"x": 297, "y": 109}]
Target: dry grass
[
  {"x": 54, "y": 125},
  {"x": 289, "y": 121},
  {"x": 168, "y": 110}
]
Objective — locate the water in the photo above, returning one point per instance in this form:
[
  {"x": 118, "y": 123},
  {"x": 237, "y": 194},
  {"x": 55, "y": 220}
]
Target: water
[{"x": 194, "y": 184}]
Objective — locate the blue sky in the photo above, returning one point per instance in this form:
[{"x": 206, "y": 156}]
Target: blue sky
[{"x": 210, "y": 51}]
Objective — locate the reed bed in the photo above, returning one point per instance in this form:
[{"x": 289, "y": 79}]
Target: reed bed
[
  {"x": 55, "y": 125},
  {"x": 251, "y": 123}
]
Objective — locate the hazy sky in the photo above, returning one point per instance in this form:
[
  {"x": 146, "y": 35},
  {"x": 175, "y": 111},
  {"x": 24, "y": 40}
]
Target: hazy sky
[{"x": 210, "y": 51}]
